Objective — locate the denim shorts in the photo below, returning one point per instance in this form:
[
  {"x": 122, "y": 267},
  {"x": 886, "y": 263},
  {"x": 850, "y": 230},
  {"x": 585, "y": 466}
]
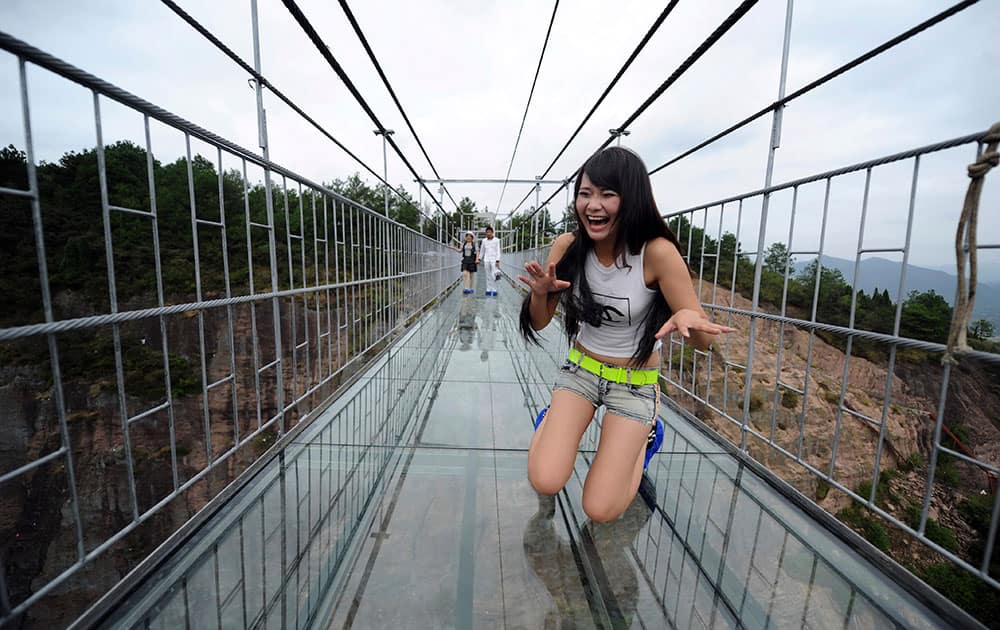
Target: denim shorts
[{"x": 635, "y": 402}]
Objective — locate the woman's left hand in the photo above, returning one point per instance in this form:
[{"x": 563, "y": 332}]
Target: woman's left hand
[{"x": 686, "y": 320}]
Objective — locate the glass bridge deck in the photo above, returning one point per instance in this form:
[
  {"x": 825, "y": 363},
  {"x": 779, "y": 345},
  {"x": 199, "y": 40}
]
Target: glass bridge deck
[{"x": 405, "y": 504}]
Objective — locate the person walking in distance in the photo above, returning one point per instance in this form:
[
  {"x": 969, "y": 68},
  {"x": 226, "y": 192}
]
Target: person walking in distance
[
  {"x": 469, "y": 260},
  {"x": 489, "y": 252}
]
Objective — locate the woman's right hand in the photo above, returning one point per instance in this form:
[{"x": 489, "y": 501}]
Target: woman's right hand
[{"x": 542, "y": 281}]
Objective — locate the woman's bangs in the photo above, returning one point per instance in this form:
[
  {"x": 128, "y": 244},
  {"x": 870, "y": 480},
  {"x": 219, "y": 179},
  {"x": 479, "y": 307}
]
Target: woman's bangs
[{"x": 604, "y": 171}]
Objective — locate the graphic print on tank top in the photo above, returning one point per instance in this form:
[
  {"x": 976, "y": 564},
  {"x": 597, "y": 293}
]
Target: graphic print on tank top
[{"x": 616, "y": 312}]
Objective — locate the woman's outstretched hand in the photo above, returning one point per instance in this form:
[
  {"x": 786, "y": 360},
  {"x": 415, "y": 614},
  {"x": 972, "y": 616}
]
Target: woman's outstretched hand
[
  {"x": 542, "y": 281},
  {"x": 686, "y": 320}
]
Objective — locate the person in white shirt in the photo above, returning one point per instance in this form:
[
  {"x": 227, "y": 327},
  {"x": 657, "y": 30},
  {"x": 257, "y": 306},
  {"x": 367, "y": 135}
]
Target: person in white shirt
[{"x": 489, "y": 251}]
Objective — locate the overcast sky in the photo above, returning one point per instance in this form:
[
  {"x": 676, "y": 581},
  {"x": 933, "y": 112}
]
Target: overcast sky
[{"x": 463, "y": 69}]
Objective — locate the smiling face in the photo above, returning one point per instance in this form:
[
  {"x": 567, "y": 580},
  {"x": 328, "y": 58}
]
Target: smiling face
[
  {"x": 468, "y": 238},
  {"x": 597, "y": 209}
]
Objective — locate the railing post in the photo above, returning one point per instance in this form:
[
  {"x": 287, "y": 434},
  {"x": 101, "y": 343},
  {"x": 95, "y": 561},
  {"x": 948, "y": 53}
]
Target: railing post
[
  {"x": 773, "y": 145},
  {"x": 569, "y": 201},
  {"x": 544, "y": 225},
  {"x": 443, "y": 217},
  {"x": 538, "y": 192},
  {"x": 385, "y": 133},
  {"x": 279, "y": 393}
]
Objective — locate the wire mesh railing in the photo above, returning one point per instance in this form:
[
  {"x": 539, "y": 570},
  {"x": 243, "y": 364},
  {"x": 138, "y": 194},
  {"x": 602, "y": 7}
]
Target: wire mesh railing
[
  {"x": 271, "y": 557},
  {"x": 172, "y": 322},
  {"x": 773, "y": 409}
]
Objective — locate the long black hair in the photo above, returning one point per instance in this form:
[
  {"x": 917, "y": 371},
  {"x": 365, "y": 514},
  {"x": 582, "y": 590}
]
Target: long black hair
[{"x": 638, "y": 222}]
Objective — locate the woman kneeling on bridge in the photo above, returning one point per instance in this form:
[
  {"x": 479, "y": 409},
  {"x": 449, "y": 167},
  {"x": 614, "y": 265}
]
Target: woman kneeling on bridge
[{"x": 630, "y": 288}]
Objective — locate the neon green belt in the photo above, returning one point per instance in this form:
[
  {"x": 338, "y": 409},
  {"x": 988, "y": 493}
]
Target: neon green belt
[{"x": 615, "y": 374}]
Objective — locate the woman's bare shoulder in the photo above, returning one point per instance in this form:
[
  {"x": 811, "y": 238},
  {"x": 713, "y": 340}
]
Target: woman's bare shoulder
[
  {"x": 661, "y": 252},
  {"x": 664, "y": 259},
  {"x": 563, "y": 241},
  {"x": 559, "y": 246}
]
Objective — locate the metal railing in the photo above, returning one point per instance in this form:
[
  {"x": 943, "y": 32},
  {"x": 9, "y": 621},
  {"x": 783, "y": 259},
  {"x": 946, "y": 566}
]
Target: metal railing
[
  {"x": 272, "y": 555},
  {"x": 294, "y": 288},
  {"x": 725, "y": 545},
  {"x": 732, "y": 398}
]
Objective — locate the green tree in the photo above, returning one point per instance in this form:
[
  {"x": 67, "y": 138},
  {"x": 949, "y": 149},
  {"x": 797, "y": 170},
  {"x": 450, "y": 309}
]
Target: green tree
[
  {"x": 358, "y": 191},
  {"x": 834, "y": 302},
  {"x": 876, "y": 313},
  {"x": 461, "y": 217},
  {"x": 925, "y": 316},
  {"x": 777, "y": 259},
  {"x": 569, "y": 220}
]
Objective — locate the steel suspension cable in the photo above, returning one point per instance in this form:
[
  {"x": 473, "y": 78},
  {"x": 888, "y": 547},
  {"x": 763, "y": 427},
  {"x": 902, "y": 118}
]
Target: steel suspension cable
[
  {"x": 215, "y": 41},
  {"x": 686, "y": 65},
  {"x": 324, "y": 51},
  {"x": 871, "y": 54},
  {"x": 392, "y": 93},
  {"x": 531, "y": 93},
  {"x": 621, "y": 71}
]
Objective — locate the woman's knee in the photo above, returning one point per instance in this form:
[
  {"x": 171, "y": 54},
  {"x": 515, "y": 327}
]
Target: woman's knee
[
  {"x": 546, "y": 480},
  {"x": 601, "y": 509}
]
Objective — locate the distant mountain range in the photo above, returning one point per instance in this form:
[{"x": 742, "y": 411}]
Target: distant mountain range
[
  {"x": 880, "y": 273},
  {"x": 987, "y": 273}
]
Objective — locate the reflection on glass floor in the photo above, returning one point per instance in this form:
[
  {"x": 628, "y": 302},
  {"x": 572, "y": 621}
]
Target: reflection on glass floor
[{"x": 406, "y": 505}]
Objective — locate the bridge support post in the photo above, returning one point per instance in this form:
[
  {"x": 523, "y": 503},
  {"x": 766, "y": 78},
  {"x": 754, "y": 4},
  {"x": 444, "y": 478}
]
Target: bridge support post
[
  {"x": 762, "y": 229},
  {"x": 275, "y": 301}
]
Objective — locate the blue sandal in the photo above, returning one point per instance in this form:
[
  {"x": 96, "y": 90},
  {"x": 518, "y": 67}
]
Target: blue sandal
[
  {"x": 541, "y": 416},
  {"x": 654, "y": 443}
]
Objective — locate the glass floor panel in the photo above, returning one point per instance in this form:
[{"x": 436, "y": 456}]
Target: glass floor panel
[{"x": 405, "y": 504}]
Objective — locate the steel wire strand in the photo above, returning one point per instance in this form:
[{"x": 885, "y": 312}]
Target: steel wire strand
[
  {"x": 621, "y": 71},
  {"x": 43, "y": 59},
  {"x": 392, "y": 93},
  {"x": 527, "y": 105},
  {"x": 686, "y": 65},
  {"x": 324, "y": 51},
  {"x": 215, "y": 41},
  {"x": 871, "y": 54},
  {"x": 843, "y": 170}
]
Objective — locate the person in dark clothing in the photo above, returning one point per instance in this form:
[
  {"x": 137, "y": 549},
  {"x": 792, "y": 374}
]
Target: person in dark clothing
[{"x": 469, "y": 253}]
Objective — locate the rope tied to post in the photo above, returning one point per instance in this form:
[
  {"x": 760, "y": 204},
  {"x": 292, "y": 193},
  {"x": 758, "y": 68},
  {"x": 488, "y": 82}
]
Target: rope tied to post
[{"x": 965, "y": 245}]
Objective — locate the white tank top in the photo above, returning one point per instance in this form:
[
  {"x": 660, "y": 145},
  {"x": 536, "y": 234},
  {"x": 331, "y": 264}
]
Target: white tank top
[{"x": 622, "y": 293}]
